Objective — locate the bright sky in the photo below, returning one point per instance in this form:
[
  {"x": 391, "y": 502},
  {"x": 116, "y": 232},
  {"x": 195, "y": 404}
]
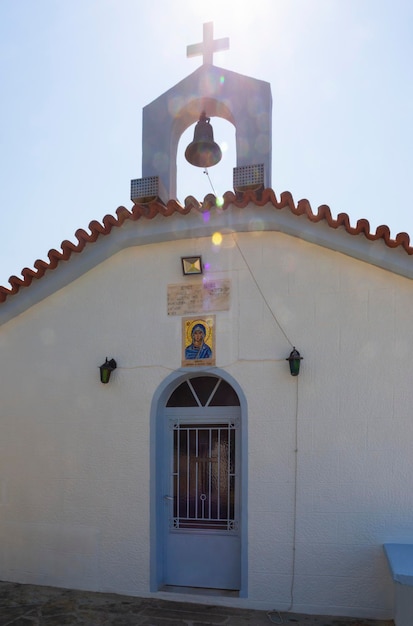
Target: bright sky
[{"x": 76, "y": 74}]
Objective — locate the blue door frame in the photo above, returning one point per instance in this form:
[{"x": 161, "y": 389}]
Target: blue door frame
[{"x": 158, "y": 439}]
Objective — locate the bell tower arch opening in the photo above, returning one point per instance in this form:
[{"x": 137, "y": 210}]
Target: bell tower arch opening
[{"x": 243, "y": 101}]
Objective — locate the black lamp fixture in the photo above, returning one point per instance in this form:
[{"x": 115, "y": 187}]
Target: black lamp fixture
[
  {"x": 106, "y": 369},
  {"x": 191, "y": 265},
  {"x": 294, "y": 360}
]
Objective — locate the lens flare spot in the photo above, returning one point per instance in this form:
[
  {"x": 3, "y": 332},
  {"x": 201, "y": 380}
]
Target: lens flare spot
[
  {"x": 217, "y": 239},
  {"x": 160, "y": 162},
  {"x": 243, "y": 147},
  {"x": 222, "y": 80},
  {"x": 262, "y": 144},
  {"x": 175, "y": 105},
  {"x": 219, "y": 201},
  {"x": 256, "y": 225}
]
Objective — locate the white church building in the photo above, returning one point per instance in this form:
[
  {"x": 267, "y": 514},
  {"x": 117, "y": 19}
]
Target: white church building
[{"x": 199, "y": 463}]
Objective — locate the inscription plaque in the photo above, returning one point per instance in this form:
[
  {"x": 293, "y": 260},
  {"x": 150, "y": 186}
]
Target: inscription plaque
[{"x": 210, "y": 295}]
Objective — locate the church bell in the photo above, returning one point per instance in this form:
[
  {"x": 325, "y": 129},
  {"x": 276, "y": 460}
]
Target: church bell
[{"x": 203, "y": 151}]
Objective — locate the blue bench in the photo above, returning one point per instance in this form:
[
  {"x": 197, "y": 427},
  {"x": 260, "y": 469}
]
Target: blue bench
[{"x": 400, "y": 560}]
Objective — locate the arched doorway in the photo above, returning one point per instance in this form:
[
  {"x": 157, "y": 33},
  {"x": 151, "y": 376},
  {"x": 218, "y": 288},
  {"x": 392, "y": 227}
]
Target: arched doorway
[{"x": 198, "y": 486}]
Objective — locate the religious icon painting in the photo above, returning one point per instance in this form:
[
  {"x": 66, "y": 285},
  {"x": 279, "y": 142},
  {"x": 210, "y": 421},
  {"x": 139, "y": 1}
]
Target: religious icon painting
[{"x": 198, "y": 340}]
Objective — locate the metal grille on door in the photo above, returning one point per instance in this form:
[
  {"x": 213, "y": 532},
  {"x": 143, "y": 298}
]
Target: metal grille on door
[{"x": 204, "y": 476}]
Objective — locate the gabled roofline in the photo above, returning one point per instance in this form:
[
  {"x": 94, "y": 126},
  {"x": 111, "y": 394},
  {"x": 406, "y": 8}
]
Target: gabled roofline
[{"x": 235, "y": 215}]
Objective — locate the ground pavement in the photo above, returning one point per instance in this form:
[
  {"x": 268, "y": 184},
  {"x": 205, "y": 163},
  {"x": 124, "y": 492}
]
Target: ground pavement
[{"x": 30, "y": 605}]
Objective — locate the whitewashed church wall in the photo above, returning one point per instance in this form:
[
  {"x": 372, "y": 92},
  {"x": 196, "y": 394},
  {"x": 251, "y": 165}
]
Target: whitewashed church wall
[{"x": 75, "y": 454}]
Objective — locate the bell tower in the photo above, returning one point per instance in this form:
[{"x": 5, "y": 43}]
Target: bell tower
[{"x": 208, "y": 92}]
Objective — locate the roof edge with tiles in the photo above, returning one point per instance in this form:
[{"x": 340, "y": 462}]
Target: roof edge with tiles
[{"x": 155, "y": 208}]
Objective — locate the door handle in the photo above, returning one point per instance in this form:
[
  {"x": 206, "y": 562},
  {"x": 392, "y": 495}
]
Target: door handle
[{"x": 168, "y": 497}]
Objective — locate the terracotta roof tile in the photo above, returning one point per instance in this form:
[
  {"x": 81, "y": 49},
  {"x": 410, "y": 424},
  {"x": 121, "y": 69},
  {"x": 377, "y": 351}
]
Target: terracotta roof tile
[{"x": 191, "y": 204}]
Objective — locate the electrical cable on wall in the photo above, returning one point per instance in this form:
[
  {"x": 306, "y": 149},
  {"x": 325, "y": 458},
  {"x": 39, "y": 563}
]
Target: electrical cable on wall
[
  {"x": 294, "y": 538},
  {"x": 260, "y": 290},
  {"x": 210, "y": 182},
  {"x": 289, "y": 608}
]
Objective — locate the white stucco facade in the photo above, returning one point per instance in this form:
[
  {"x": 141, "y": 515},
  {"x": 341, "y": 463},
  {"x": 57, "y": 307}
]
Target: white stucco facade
[{"x": 326, "y": 455}]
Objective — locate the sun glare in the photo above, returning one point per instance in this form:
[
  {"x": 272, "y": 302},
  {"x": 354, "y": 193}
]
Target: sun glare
[
  {"x": 231, "y": 11},
  {"x": 217, "y": 239}
]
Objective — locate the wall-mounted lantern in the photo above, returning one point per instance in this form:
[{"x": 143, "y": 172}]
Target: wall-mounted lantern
[
  {"x": 106, "y": 369},
  {"x": 294, "y": 360},
  {"x": 191, "y": 265}
]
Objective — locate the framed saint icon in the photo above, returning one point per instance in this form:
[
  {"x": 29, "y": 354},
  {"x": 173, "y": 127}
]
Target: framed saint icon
[{"x": 198, "y": 340}]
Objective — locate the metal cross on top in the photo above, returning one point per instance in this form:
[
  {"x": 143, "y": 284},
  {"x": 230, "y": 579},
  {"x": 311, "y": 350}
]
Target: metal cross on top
[{"x": 208, "y": 46}]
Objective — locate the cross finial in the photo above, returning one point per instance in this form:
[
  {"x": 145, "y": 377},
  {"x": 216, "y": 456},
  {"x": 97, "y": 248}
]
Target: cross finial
[{"x": 208, "y": 46}]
